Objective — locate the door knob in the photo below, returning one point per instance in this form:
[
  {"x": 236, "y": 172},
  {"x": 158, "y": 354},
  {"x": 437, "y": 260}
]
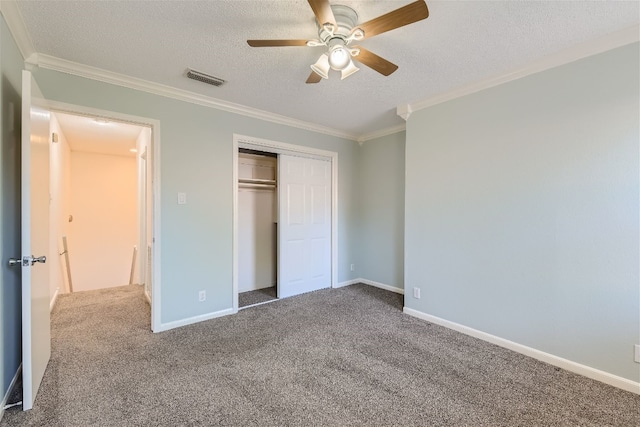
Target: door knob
[
  {"x": 27, "y": 260},
  {"x": 14, "y": 261}
]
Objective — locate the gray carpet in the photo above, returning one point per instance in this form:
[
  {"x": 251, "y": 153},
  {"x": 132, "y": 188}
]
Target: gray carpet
[
  {"x": 335, "y": 357},
  {"x": 246, "y": 299}
]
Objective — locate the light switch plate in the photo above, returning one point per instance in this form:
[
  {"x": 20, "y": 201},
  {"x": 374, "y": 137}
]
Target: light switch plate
[{"x": 182, "y": 198}]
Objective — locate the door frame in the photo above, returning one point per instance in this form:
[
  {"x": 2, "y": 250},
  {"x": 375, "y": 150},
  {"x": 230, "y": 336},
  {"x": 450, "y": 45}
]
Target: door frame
[
  {"x": 62, "y": 107},
  {"x": 243, "y": 141}
]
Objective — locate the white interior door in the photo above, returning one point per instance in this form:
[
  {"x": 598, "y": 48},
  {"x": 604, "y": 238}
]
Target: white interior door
[
  {"x": 36, "y": 329},
  {"x": 304, "y": 226}
]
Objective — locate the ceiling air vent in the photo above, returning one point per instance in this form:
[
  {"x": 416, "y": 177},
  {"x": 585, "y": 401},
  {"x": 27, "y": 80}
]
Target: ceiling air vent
[{"x": 204, "y": 78}]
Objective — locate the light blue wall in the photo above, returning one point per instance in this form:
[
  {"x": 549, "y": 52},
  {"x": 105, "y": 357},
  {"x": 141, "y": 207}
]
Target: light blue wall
[
  {"x": 196, "y": 158},
  {"x": 522, "y": 208},
  {"x": 381, "y": 206},
  {"x": 10, "y": 305}
]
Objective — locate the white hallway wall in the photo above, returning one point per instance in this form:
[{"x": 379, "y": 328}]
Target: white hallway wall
[
  {"x": 105, "y": 222},
  {"x": 59, "y": 209}
]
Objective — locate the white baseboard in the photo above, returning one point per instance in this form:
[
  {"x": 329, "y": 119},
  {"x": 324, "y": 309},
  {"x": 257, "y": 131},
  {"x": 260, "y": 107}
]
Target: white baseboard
[
  {"x": 587, "y": 371},
  {"x": 382, "y": 286},
  {"x": 347, "y": 283},
  {"x": 54, "y": 299},
  {"x": 9, "y": 390},
  {"x": 371, "y": 283},
  {"x": 195, "y": 319}
]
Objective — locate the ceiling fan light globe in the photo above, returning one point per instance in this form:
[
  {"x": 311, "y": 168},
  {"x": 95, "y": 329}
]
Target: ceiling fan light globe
[
  {"x": 349, "y": 69},
  {"x": 321, "y": 67},
  {"x": 339, "y": 58}
]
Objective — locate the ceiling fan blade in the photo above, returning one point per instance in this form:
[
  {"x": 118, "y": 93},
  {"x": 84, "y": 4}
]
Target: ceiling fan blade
[
  {"x": 314, "y": 78},
  {"x": 406, "y": 15},
  {"x": 374, "y": 61},
  {"x": 323, "y": 12},
  {"x": 272, "y": 43}
]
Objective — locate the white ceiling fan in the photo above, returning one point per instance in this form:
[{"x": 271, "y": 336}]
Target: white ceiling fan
[{"x": 338, "y": 28}]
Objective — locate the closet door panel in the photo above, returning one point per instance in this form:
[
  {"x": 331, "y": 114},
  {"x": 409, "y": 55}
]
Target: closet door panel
[
  {"x": 295, "y": 205},
  {"x": 304, "y": 263}
]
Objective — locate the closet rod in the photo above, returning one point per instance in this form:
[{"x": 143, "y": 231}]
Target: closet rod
[{"x": 256, "y": 185}]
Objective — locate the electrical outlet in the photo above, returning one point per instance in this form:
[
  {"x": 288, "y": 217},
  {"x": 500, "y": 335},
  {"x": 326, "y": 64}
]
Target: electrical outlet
[
  {"x": 202, "y": 296},
  {"x": 416, "y": 293},
  {"x": 636, "y": 353},
  {"x": 353, "y": 267}
]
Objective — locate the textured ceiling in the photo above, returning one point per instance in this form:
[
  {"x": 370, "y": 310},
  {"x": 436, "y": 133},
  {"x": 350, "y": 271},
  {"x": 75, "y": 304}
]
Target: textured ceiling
[{"x": 460, "y": 43}]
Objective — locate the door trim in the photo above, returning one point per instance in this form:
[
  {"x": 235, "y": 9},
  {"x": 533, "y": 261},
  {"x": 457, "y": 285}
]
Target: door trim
[
  {"x": 56, "y": 106},
  {"x": 243, "y": 141}
]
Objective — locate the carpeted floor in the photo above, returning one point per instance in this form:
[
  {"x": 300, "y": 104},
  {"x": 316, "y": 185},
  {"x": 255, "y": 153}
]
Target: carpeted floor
[
  {"x": 15, "y": 397},
  {"x": 246, "y": 299},
  {"x": 334, "y": 357}
]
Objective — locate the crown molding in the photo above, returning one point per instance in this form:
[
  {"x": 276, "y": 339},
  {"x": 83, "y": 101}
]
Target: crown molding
[
  {"x": 86, "y": 71},
  {"x": 15, "y": 22},
  {"x": 610, "y": 41},
  {"x": 381, "y": 133}
]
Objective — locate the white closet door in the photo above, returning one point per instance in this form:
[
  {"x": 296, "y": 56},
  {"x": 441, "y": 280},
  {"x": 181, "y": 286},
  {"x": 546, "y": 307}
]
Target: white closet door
[{"x": 304, "y": 258}]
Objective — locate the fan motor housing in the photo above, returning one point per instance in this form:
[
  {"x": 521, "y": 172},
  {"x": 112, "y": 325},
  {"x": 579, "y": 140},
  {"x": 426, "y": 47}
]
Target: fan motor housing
[{"x": 346, "y": 18}]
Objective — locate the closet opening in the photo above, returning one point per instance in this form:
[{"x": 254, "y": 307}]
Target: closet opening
[
  {"x": 284, "y": 220},
  {"x": 257, "y": 227}
]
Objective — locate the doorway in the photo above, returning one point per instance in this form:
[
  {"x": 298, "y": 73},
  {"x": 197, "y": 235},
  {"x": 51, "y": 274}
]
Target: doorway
[
  {"x": 305, "y": 222},
  {"x": 95, "y": 173},
  {"x": 103, "y": 202}
]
